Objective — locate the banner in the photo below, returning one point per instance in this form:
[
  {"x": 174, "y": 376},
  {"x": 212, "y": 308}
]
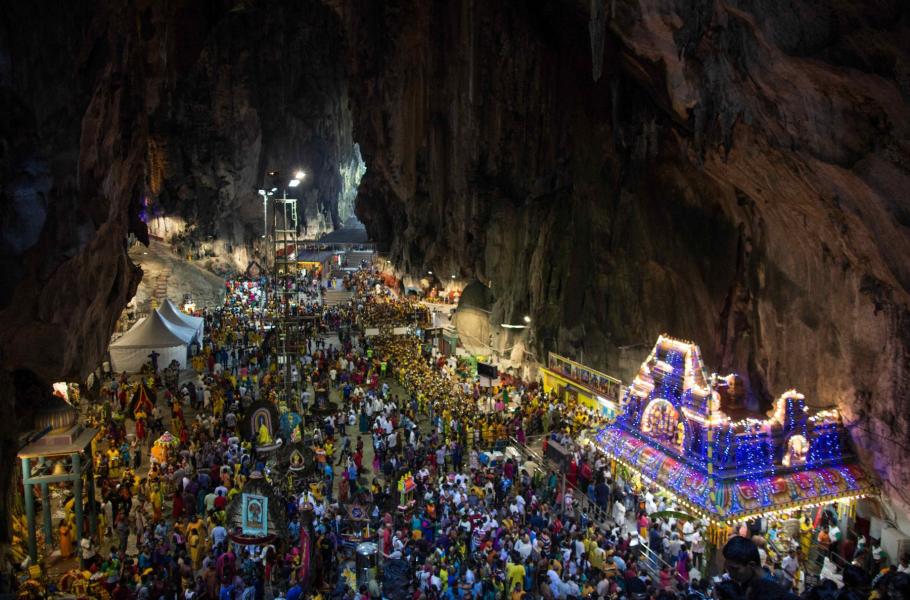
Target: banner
[{"x": 255, "y": 517}]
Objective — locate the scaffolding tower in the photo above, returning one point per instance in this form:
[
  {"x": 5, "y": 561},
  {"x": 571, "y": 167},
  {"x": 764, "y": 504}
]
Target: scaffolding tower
[{"x": 289, "y": 322}]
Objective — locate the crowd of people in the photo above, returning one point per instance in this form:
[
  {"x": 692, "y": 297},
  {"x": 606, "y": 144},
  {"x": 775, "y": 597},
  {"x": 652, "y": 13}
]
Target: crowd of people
[{"x": 436, "y": 464}]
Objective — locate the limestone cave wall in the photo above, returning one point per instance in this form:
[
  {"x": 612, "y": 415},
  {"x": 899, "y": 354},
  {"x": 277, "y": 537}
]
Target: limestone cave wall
[
  {"x": 733, "y": 173},
  {"x": 253, "y": 87},
  {"x": 115, "y": 115},
  {"x": 74, "y": 99}
]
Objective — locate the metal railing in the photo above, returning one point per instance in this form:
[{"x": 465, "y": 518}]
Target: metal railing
[
  {"x": 580, "y": 499},
  {"x": 652, "y": 562}
]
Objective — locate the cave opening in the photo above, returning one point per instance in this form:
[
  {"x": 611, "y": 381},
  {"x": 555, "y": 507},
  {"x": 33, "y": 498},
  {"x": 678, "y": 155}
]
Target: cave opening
[{"x": 348, "y": 227}]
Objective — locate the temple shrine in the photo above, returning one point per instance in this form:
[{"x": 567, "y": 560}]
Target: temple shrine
[{"x": 688, "y": 433}]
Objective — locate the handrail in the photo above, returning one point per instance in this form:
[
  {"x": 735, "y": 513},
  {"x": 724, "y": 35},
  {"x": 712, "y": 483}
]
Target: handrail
[
  {"x": 653, "y": 557},
  {"x": 599, "y": 515},
  {"x": 653, "y": 561}
]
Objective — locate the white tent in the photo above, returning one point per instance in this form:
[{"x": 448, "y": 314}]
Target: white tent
[
  {"x": 171, "y": 313},
  {"x": 153, "y": 334}
]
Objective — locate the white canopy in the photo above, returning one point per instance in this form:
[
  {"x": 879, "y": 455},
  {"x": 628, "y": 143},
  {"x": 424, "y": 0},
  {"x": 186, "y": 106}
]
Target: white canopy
[
  {"x": 153, "y": 334},
  {"x": 171, "y": 313}
]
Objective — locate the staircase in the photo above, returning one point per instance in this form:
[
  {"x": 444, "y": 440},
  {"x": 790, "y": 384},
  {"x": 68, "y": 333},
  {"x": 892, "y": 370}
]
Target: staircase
[
  {"x": 159, "y": 293},
  {"x": 333, "y": 297}
]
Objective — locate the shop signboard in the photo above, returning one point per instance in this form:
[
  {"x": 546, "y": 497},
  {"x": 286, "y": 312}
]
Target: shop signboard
[{"x": 605, "y": 385}]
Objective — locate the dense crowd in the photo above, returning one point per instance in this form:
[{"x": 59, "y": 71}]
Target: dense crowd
[{"x": 454, "y": 512}]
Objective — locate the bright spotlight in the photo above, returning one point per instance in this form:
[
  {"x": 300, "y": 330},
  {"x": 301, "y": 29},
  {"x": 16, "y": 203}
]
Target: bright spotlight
[
  {"x": 294, "y": 183},
  {"x": 262, "y": 192},
  {"x": 527, "y": 319},
  {"x": 274, "y": 190},
  {"x": 429, "y": 272},
  {"x": 299, "y": 174}
]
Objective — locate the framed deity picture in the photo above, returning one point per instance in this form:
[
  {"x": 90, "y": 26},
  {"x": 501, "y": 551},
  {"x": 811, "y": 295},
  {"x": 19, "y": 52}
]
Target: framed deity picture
[{"x": 255, "y": 515}]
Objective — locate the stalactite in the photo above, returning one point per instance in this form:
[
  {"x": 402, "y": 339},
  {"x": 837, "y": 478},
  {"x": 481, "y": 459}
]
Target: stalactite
[
  {"x": 157, "y": 164},
  {"x": 597, "y": 28}
]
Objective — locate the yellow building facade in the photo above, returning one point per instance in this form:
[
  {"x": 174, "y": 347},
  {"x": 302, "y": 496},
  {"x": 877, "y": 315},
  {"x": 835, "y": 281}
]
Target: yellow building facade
[{"x": 565, "y": 378}]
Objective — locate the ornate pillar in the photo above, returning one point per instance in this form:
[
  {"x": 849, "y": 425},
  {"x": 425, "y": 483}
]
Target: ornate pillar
[
  {"x": 29, "y": 510},
  {"x": 77, "y": 492}
]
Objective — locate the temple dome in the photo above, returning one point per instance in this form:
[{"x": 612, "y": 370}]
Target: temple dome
[{"x": 56, "y": 413}]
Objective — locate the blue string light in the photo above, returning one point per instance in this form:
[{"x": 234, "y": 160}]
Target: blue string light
[{"x": 749, "y": 451}]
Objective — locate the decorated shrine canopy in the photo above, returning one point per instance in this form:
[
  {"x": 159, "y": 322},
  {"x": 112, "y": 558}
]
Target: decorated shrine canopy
[{"x": 677, "y": 427}]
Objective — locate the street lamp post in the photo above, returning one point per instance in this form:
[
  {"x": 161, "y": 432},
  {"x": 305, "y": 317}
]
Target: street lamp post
[
  {"x": 299, "y": 175},
  {"x": 285, "y": 231}
]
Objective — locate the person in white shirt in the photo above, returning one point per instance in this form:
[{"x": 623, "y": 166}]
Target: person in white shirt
[
  {"x": 904, "y": 566},
  {"x": 790, "y": 566},
  {"x": 555, "y": 584},
  {"x": 523, "y": 547},
  {"x": 650, "y": 505},
  {"x": 619, "y": 513},
  {"x": 520, "y": 501}
]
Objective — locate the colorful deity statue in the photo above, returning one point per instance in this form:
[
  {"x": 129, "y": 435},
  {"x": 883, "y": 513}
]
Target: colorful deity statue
[{"x": 264, "y": 437}]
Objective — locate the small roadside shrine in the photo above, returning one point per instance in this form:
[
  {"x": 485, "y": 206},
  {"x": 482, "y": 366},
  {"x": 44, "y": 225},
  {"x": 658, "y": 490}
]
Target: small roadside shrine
[
  {"x": 688, "y": 434},
  {"x": 59, "y": 453}
]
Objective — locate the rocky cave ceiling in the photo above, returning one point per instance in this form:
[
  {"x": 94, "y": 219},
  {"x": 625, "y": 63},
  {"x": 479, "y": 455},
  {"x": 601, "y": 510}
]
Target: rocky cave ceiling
[{"x": 734, "y": 173}]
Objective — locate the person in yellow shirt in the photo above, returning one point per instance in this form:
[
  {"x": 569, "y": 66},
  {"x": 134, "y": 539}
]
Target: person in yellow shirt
[
  {"x": 805, "y": 538},
  {"x": 597, "y": 556},
  {"x": 329, "y": 451},
  {"x": 444, "y": 576},
  {"x": 515, "y": 572},
  {"x": 487, "y": 434},
  {"x": 233, "y": 492},
  {"x": 156, "y": 501}
]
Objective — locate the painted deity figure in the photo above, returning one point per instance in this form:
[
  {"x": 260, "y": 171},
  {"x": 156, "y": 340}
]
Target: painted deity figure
[
  {"x": 265, "y": 437},
  {"x": 797, "y": 451}
]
